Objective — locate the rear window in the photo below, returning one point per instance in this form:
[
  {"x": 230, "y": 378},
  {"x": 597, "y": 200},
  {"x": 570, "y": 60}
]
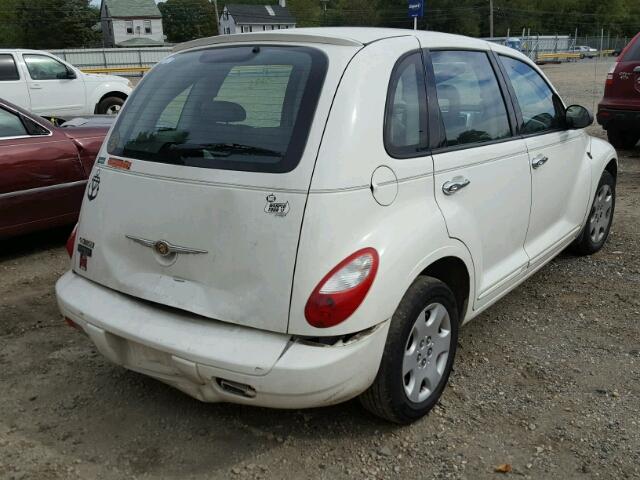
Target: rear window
[
  {"x": 233, "y": 108},
  {"x": 633, "y": 54}
]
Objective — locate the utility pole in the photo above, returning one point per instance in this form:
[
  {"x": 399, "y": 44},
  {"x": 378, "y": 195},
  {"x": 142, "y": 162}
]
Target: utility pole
[
  {"x": 324, "y": 12},
  {"x": 491, "y": 18},
  {"x": 215, "y": 7}
]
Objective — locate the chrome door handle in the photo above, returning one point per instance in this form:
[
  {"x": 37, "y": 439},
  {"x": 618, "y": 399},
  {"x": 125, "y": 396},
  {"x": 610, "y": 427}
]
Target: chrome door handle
[
  {"x": 36, "y": 86},
  {"x": 452, "y": 186},
  {"x": 538, "y": 161}
]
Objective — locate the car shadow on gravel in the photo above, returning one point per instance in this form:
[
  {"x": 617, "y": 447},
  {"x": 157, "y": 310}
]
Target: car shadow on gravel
[
  {"x": 143, "y": 419},
  {"x": 24, "y": 245}
]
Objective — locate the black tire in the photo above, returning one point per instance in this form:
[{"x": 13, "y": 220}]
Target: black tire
[
  {"x": 386, "y": 397},
  {"x": 585, "y": 244},
  {"x": 109, "y": 103},
  {"x": 622, "y": 138}
]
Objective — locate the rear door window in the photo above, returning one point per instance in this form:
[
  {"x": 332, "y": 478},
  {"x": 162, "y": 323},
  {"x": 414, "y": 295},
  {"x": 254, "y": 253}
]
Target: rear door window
[
  {"x": 234, "y": 108},
  {"x": 11, "y": 125},
  {"x": 8, "y": 69},
  {"x": 471, "y": 104},
  {"x": 405, "y": 122}
]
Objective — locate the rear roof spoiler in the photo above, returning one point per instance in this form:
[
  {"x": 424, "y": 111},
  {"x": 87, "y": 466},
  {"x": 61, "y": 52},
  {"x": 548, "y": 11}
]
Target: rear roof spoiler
[{"x": 267, "y": 37}]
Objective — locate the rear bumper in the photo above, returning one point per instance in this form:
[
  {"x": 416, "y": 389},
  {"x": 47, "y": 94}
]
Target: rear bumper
[
  {"x": 219, "y": 362},
  {"x": 623, "y": 119}
]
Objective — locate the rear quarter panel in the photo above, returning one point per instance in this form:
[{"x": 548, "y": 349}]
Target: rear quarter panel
[
  {"x": 342, "y": 215},
  {"x": 88, "y": 142}
]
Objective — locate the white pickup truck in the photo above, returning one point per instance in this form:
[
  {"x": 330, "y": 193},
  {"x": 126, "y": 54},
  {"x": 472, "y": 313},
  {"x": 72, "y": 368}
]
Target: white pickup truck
[{"x": 48, "y": 86}]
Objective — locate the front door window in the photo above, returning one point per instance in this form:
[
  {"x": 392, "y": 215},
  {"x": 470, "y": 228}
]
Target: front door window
[
  {"x": 42, "y": 67},
  {"x": 540, "y": 111}
]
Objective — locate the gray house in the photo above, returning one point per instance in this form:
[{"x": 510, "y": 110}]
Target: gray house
[
  {"x": 131, "y": 23},
  {"x": 255, "y": 18}
]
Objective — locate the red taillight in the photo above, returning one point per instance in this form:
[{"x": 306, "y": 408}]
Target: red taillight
[
  {"x": 74, "y": 325},
  {"x": 610, "y": 73},
  {"x": 72, "y": 241},
  {"x": 342, "y": 290},
  {"x": 71, "y": 323}
]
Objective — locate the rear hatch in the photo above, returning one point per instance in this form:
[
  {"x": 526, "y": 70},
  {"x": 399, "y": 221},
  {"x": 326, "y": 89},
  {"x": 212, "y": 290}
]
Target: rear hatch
[
  {"x": 197, "y": 199},
  {"x": 622, "y": 88}
]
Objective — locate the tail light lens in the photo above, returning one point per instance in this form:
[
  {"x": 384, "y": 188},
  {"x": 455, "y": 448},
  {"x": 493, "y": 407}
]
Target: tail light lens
[
  {"x": 342, "y": 290},
  {"x": 72, "y": 241},
  {"x": 610, "y": 74}
]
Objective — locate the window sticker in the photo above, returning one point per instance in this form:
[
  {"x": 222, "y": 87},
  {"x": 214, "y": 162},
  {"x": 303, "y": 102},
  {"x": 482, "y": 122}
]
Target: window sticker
[
  {"x": 273, "y": 207},
  {"x": 85, "y": 249},
  {"x": 94, "y": 186}
]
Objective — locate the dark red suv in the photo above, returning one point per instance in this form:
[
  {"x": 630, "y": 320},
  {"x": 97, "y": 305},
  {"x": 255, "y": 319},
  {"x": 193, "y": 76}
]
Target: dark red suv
[{"x": 619, "y": 110}]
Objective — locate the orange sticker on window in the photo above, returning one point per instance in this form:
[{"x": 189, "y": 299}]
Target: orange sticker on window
[{"x": 120, "y": 164}]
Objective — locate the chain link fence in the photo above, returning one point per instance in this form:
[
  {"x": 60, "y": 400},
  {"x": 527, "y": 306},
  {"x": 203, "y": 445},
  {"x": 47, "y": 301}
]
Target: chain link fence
[
  {"x": 129, "y": 61},
  {"x": 135, "y": 61}
]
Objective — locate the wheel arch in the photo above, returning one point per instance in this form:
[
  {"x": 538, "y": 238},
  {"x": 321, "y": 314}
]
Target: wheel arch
[
  {"x": 123, "y": 96},
  {"x": 453, "y": 265},
  {"x": 612, "y": 168},
  {"x": 603, "y": 157},
  {"x": 453, "y": 272}
]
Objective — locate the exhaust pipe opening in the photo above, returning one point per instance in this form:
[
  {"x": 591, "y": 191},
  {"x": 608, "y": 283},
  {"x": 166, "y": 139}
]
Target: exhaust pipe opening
[{"x": 235, "y": 388}]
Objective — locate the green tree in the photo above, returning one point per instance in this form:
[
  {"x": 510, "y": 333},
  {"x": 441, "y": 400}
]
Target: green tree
[
  {"x": 185, "y": 20},
  {"x": 353, "y": 13},
  {"x": 308, "y": 13},
  {"x": 9, "y": 31},
  {"x": 57, "y": 23}
]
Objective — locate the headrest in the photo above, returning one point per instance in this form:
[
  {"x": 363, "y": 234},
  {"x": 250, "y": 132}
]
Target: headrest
[
  {"x": 449, "y": 92},
  {"x": 223, "y": 112}
]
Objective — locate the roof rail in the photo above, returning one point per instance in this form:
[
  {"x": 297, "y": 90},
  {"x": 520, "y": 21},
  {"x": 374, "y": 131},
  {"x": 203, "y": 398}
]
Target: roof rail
[{"x": 267, "y": 37}]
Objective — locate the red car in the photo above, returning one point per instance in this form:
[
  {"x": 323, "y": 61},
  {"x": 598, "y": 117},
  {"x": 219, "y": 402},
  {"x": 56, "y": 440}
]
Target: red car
[
  {"x": 43, "y": 170},
  {"x": 619, "y": 110}
]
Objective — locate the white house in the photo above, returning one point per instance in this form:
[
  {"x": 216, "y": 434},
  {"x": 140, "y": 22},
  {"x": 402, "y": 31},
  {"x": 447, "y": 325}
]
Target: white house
[
  {"x": 131, "y": 23},
  {"x": 255, "y": 18}
]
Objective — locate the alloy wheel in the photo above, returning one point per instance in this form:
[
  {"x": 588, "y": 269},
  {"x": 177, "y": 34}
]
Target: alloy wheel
[{"x": 113, "y": 109}]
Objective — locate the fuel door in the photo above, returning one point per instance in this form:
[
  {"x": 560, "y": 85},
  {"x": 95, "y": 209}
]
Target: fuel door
[{"x": 384, "y": 185}]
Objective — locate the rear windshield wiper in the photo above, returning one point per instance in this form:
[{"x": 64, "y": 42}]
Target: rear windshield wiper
[{"x": 223, "y": 149}]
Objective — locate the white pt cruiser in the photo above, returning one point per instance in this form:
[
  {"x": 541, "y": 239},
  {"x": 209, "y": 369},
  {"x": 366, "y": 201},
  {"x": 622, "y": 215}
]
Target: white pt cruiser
[{"x": 292, "y": 219}]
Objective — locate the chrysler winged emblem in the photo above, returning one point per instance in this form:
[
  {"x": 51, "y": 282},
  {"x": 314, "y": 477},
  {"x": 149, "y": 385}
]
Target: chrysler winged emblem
[{"x": 164, "y": 248}]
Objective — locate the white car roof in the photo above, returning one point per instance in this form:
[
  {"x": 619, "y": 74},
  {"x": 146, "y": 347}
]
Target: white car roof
[
  {"x": 354, "y": 36},
  {"x": 349, "y": 36}
]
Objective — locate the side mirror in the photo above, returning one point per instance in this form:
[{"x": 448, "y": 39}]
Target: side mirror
[
  {"x": 578, "y": 117},
  {"x": 69, "y": 75}
]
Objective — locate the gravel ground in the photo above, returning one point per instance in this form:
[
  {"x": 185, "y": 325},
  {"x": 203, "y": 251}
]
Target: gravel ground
[{"x": 547, "y": 381}]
